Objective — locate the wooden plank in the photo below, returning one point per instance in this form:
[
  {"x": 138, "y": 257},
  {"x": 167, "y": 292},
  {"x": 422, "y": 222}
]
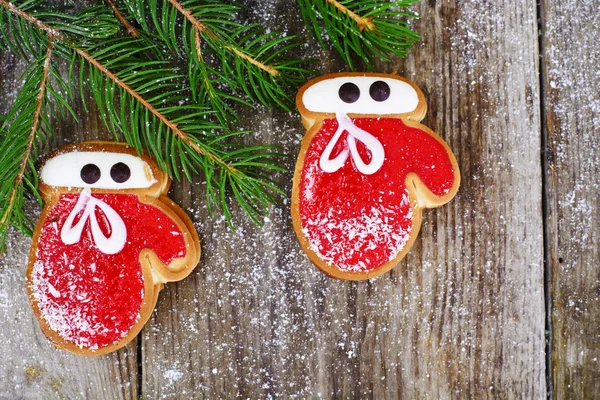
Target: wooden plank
[
  {"x": 462, "y": 316},
  {"x": 572, "y": 104},
  {"x": 30, "y": 366}
]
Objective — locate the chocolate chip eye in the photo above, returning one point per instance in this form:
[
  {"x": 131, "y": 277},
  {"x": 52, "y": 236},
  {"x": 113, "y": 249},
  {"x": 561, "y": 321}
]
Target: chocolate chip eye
[
  {"x": 349, "y": 92},
  {"x": 90, "y": 173},
  {"x": 120, "y": 172},
  {"x": 379, "y": 91}
]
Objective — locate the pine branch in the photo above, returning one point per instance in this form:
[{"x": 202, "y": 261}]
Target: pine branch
[
  {"x": 177, "y": 135},
  {"x": 361, "y": 28},
  {"x": 200, "y": 28},
  {"x": 139, "y": 97},
  {"x": 90, "y": 23},
  {"x": 17, "y": 144},
  {"x": 30, "y": 18}
]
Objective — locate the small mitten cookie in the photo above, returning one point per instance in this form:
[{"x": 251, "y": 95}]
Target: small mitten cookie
[
  {"x": 365, "y": 170},
  {"x": 105, "y": 244}
]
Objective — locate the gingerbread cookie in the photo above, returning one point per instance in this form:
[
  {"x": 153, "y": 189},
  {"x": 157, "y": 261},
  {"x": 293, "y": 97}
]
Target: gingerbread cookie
[
  {"x": 106, "y": 242},
  {"x": 365, "y": 170}
]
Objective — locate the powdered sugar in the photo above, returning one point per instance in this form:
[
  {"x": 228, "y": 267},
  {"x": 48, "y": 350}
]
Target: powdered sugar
[
  {"x": 173, "y": 375},
  {"x": 374, "y": 229},
  {"x": 75, "y": 324}
]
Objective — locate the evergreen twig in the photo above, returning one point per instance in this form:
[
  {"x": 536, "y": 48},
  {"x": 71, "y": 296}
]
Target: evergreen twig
[
  {"x": 170, "y": 124},
  {"x": 361, "y": 22},
  {"x": 363, "y": 28}
]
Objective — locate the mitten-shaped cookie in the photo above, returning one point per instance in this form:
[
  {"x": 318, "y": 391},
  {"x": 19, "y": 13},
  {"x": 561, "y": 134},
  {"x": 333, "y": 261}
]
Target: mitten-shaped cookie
[
  {"x": 365, "y": 170},
  {"x": 106, "y": 242}
]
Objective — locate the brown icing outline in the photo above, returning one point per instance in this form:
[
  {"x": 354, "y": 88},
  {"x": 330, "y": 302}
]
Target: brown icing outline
[
  {"x": 155, "y": 273},
  {"x": 420, "y": 196}
]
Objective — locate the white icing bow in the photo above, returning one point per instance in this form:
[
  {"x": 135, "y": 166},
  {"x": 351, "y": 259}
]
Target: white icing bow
[
  {"x": 108, "y": 245},
  {"x": 354, "y": 133}
]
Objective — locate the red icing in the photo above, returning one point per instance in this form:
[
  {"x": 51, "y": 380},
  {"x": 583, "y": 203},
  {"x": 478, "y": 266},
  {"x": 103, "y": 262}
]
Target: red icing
[
  {"x": 90, "y": 298},
  {"x": 359, "y": 222}
]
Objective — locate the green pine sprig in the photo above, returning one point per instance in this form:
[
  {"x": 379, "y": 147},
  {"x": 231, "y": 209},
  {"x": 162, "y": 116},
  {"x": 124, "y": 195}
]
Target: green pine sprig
[
  {"x": 25, "y": 125},
  {"x": 366, "y": 29}
]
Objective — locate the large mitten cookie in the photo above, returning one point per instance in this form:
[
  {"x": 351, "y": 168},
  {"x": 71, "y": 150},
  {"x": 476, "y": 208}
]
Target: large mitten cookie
[
  {"x": 365, "y": 170},
  {"x": 106, "y": 242}
]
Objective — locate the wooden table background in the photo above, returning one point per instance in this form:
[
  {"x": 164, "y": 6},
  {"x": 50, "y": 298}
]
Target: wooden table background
[{"x": 499, "y": 297}]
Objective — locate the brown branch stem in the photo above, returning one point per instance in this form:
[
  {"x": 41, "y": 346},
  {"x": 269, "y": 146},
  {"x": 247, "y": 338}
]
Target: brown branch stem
[
  {"x": 362, "y": 22},
  {"x": 130, "y": 29},
  {"x": 34, "y": 127},
  {"x": 272, "y": 71},
  {"x": 52, "y": 33},
  {"x": 201, "y": 27},
  {"x": 197, "y": 43}
]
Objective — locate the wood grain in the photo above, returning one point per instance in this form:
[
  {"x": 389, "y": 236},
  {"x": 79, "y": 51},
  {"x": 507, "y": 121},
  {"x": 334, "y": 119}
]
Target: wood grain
[
  {"x": 572, "y": 107},
  {"x": 462, "y": 316}
]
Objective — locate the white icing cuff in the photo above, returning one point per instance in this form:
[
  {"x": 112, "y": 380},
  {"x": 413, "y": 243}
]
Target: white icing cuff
[
  {"x": 64, "y": 170},
  {"x": 323, "y": 96}
]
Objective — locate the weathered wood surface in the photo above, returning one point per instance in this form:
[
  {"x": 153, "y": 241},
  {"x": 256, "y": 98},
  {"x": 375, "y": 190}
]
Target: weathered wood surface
[
  {"x": 461, "y": 317},
  {"x": 572, "y": 123}
]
